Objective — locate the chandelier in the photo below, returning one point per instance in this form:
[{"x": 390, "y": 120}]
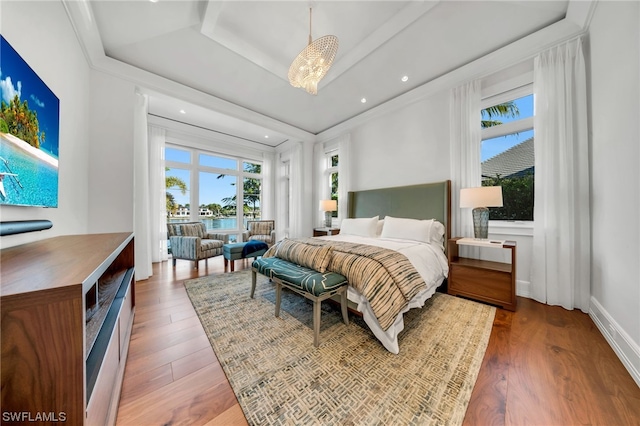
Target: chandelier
[{"x": 312, "y": 64}]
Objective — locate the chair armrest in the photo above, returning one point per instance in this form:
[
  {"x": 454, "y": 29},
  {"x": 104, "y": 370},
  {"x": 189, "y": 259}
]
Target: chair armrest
[
  {"x": 245, "y": 235},
  {"x": 215, "y": 236}
]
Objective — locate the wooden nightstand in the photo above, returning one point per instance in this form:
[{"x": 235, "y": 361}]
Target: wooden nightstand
[
  {"x": 321, "y": 232},
  {"x": 483, "y": 280}
]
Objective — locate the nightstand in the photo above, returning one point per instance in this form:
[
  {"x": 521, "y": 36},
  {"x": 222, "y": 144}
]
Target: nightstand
[
  {"x": 483, "y": 280},
  {"x": 321, "y": 232}
]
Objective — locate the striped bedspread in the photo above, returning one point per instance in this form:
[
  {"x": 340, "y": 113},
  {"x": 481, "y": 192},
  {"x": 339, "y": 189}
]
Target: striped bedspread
[{"x": 385, "y": 277}]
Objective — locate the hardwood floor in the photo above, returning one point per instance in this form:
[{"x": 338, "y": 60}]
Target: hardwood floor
[{"x": 543, "y": 366}]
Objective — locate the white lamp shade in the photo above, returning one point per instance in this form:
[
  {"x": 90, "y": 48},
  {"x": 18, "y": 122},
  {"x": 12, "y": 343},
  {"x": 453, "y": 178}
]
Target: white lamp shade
[
  {"x": 328, "y": 205},
  {"x": 484, "y": 196}
]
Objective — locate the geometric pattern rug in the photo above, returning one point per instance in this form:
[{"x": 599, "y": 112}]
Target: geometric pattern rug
[{"x": 280, "y": 378}]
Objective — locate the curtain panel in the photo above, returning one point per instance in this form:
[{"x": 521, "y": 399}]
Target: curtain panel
[
  {"x": 560, "y": 270},
  {"x": 344, "y": 175},
  {"x": 465, "y": 133},
  {"x": 296, "y": 209},
  {"x": 141, "y": 201},
  {"x": 157, "y": 189}
]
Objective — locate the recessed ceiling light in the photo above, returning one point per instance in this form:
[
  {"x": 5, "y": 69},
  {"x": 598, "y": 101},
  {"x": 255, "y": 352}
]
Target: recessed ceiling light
[
  {"x": 363, "y": 100},
  {"x": 183, "y": 111},
  {"x": 153, "y": 1},
  {"x": 404, "y": 78},
  {"x": 266, "y": 136}
]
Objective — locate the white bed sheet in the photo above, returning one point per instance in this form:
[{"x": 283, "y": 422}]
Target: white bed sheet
[{"x": 430, "y": 262}]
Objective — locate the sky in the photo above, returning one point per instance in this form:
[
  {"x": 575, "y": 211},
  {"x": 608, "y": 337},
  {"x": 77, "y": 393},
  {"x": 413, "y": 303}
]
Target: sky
[
  {"x": 492, "y": 147},
  {"x": 17, "y": 78}
]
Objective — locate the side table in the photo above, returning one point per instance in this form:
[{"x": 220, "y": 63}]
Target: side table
[
  {"x": 483, "y": 280},
  {"x": 321, "y": 232}
]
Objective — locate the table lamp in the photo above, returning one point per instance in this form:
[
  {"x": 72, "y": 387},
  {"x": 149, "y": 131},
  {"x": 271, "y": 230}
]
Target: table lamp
[
  {"x": 328, "y": 206},
  {"x": 479, "y": 199}
]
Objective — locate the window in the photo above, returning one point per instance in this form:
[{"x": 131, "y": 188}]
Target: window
[
  {"x": 332, "y": 174},
  {"x": 507, "y": 153},
  {"x": 213, "y": 183}
]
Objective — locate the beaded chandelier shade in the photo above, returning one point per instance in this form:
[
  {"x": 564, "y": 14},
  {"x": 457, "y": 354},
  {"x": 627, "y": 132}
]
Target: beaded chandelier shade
[{"x": 312, "y": 64}]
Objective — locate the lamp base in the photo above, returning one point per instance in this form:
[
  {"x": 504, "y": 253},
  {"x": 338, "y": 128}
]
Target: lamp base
[
  {"x": 481, "y": 223},
  {"x": 327, "y": 219}
]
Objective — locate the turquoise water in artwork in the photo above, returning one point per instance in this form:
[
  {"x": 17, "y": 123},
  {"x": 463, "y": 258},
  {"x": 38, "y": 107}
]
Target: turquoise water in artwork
[{"x": 36, "y": 183}]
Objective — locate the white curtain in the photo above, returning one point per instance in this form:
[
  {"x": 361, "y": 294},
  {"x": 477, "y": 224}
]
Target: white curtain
[
  {"x": 142, "y": 196},
  {"x": 157, "y": 189},
  {"x": 344, "y": 175},
  {"x": 297, "y": 188},
  {"x": 322, "y": 186},
  {"x": 465, "y": 133},
  {"x": 560, "y": 270},
  {"x": 268, "y": 191}
]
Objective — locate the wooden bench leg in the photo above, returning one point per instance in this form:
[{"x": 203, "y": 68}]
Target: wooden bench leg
[
  {"x": 278, "y": 295},
  {"x": 253, "y": 282},
  {"x": 316, "y": 322},
  {"x": 343, "y": 305}
]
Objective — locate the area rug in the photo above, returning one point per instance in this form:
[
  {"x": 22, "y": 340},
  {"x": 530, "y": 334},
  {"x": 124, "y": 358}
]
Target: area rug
[{"x": 280, "y": 378}]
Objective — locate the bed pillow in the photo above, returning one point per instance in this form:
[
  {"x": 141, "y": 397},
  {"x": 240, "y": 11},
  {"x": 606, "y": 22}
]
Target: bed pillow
[
  {"x": 407, "y": 229},
  {"x": 379, "y": 226},
  {"x": 312, "y": 257},
  {"x": 363, "y": 227},
  {"x": 437, "y": 234}
]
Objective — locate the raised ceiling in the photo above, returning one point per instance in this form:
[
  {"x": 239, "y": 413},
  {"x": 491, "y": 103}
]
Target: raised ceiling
[{"x": 240, "y": 51}]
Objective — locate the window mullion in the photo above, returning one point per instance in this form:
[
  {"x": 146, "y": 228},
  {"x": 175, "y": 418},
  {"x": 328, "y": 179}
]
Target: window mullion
[{"x": 508, "y": 128}]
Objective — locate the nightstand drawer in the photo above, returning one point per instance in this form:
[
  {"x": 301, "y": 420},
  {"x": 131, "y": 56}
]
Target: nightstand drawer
[{"x": 489, "y": 285}]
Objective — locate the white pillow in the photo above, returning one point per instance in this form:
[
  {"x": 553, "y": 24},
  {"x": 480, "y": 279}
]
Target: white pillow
[
  {"x": 364, "y": 227},
  {"x": 437, "y": 234},
  {"x": 407, "y": 229},
  {"x": 379, "y": 227}
]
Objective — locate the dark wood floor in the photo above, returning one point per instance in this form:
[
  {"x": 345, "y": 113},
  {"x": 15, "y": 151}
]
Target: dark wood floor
[{"x": 543, "y": 366}]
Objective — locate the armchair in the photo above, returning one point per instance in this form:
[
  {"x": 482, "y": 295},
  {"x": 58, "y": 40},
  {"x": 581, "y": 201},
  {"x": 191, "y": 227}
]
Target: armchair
[
  {"x": 191, "y": 241},
  {"x": 260, "y": 230}
]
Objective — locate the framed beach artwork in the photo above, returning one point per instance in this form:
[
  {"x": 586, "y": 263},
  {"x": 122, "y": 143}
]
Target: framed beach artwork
[{"x": 29, "y": 131}]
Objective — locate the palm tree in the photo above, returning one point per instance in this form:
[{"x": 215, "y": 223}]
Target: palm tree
[
  {"x": 507, "y": 109},
  {"x": 173, "y": 182}
]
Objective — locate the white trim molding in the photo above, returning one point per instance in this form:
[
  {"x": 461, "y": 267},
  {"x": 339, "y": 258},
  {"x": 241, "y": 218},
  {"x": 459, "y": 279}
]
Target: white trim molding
[{"x": 621, "y": 343}]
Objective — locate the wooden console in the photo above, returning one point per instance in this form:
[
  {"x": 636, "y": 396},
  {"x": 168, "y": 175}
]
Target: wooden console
[{"x": 66, "y": 312}]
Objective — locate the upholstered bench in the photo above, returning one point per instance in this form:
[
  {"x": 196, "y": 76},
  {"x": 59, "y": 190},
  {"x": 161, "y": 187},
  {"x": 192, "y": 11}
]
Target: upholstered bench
[
  {"x": 313, "y": 285},
  {"x": 245, "y": 250}
]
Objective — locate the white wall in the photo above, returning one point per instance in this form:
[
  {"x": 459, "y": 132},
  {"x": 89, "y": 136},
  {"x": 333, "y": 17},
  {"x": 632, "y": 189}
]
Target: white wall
[
  {"x": 409, "y": 146},
  {"x": 614, "y": 69},
  {"x": 41, "y": 33},
  {"x": 111, "y": 154}
]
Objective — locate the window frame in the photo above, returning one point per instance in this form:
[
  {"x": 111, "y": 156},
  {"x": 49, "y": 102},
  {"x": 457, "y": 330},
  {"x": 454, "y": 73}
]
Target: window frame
[
  {"x": 329, "y": 171},
  {"x": 515, "y": 126},
  {"x": 195, "y": 168}
]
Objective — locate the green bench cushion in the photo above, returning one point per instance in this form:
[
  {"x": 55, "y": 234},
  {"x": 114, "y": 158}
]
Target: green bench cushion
[{"x": 308, "y": 280}]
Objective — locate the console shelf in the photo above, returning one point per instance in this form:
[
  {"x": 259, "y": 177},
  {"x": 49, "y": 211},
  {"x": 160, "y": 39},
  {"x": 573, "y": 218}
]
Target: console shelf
[{"x": 66, "y": 318}]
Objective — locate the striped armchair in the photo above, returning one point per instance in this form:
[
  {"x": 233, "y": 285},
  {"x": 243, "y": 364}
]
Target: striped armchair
[
  {"x": 191, "y": 241},
  {"x": 260, "y": 230}
]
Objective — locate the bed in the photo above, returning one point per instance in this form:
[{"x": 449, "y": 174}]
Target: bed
[
  {"x": 392, "y": 251},
  {"x": 422, "y": 202}
]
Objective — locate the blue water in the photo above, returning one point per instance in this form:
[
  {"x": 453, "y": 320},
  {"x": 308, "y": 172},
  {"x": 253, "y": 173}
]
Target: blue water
[
  {"x": 225, "y": 223},
  {"x": 39, "y": 180}
]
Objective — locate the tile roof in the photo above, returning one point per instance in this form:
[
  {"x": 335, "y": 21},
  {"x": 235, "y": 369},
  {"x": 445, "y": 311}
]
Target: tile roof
[{"x": 515, "y": 160}]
